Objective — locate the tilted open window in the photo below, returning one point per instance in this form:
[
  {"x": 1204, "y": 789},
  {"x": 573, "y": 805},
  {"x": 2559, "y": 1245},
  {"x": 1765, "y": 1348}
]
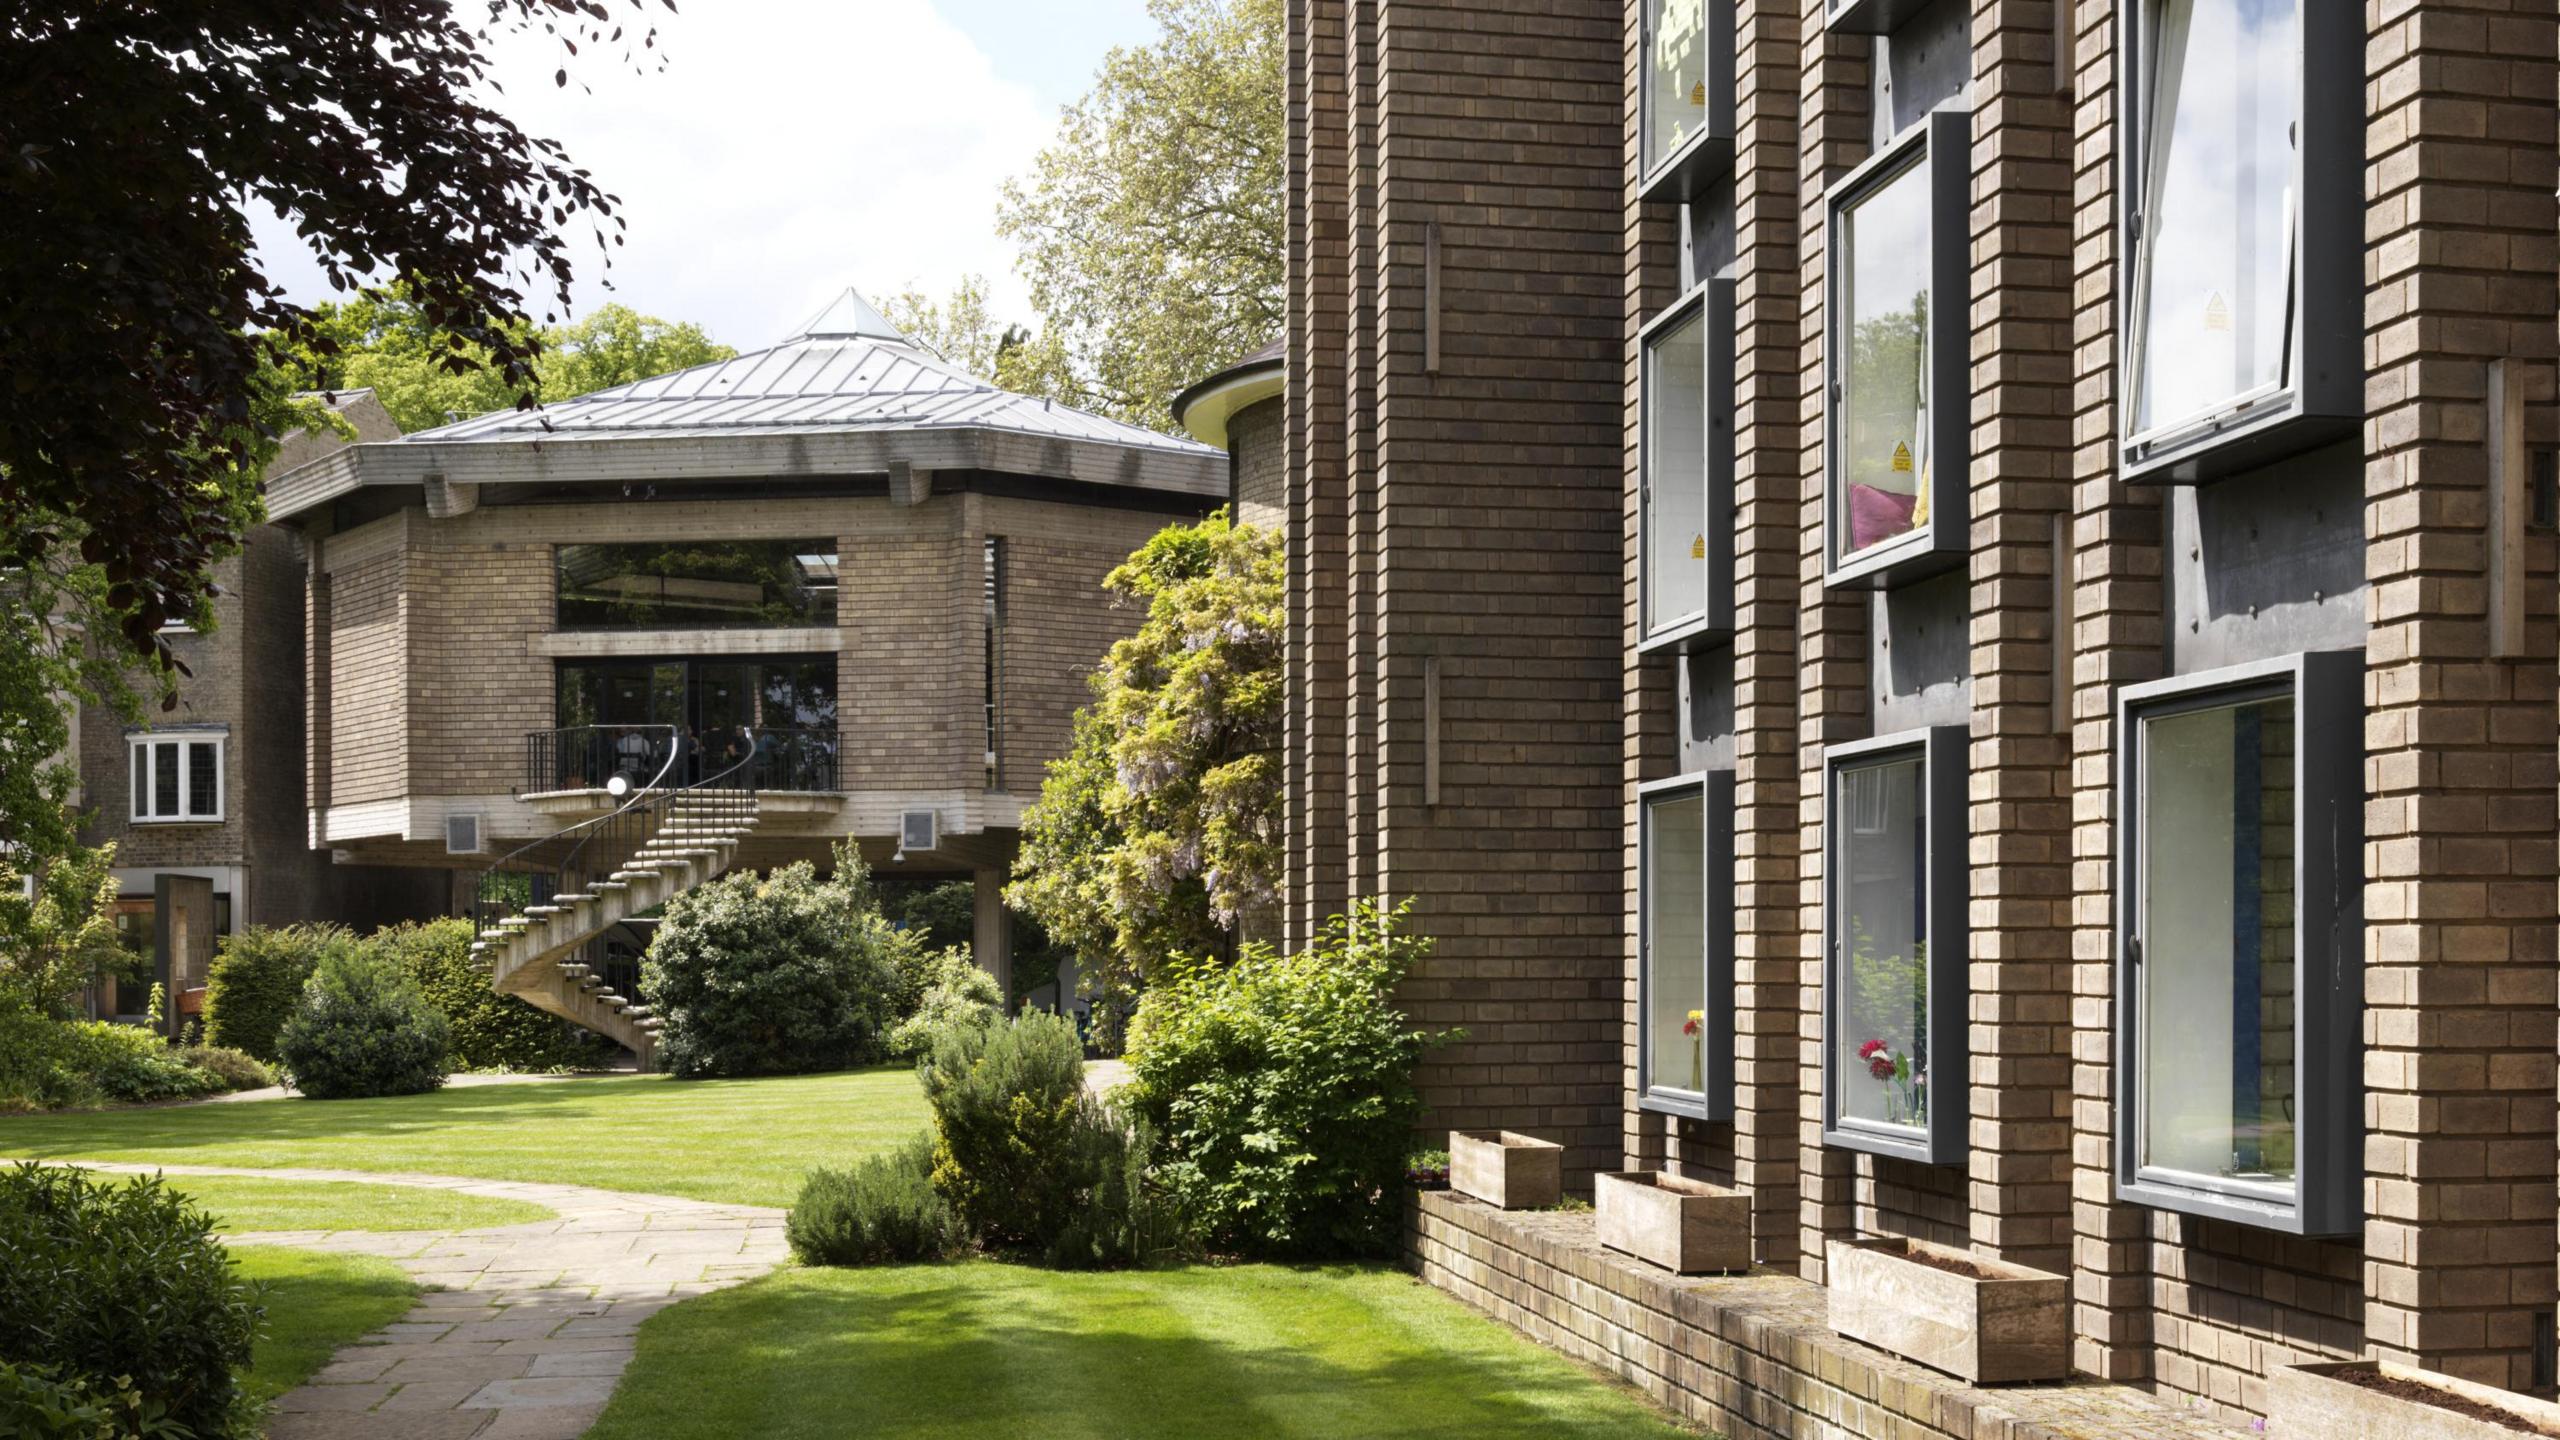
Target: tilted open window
[
  {"x": 2239, "y": 945},
  {"x": 1895, "y": 352},
  {"x": 1685, "y": 939},
  {"x": 1893, "y": 923},
  {"x": 2243, "y": 237},
  {"x": 1685, "y": 124},
  {"x": 1686, "y": 467}
]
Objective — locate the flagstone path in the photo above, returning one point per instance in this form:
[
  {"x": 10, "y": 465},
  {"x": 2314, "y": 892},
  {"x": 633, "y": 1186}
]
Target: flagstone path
[{"x": 533, "y": 1323}]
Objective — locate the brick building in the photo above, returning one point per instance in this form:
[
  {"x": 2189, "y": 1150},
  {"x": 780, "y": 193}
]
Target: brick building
[{"x": 2000, "y": 553}]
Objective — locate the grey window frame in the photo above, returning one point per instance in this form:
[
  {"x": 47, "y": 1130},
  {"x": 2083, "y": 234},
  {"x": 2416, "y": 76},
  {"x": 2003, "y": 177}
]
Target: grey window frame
[
  {"x": 2321, "y": 398},
  {"x": 1716, "y": 1031},
  {"x": 2328, "y": 993},
  {"x": 1871, "y": 17},
  {"x": 1712, "y": 300},
  {"x": 1941, "y": 543},
  {"x": 1684, "y": 174},
  {"x": 1943, "y": 751}
]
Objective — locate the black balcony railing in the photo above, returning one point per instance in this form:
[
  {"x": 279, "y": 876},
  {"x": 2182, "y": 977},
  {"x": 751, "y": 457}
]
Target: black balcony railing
[{"x": 592, "y": 757}]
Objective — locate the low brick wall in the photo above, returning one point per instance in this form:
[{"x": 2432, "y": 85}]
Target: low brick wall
[{"x": 1747, "y": 1356}]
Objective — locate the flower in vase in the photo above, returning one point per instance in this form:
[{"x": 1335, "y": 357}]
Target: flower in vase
[{"x": 1697, "y": 1018}]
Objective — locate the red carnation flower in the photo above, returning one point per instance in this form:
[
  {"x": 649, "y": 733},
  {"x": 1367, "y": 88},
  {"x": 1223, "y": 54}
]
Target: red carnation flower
[
  {"x": 1880, "y": 1067},
  {"x": 1868, "y": 1050}
]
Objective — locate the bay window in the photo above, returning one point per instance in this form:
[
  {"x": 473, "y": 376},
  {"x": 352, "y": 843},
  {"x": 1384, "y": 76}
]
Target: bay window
[
  {"x": 1685, "y": 945},
  {"x": 2240, "y": 905},
  {"x": 1894, "y": 937},
  {"x": 1895, "y": 349},
  {"x": 1685, "y": 132},
  {"x": 175, "y": 778},
  {"x": 2243, "y": 234},
  {"x": 1685, "y": 466}
]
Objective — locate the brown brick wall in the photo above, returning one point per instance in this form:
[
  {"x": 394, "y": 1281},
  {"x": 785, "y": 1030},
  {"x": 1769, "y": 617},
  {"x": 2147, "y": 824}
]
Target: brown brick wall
[{"x": 1258, "y": 434}]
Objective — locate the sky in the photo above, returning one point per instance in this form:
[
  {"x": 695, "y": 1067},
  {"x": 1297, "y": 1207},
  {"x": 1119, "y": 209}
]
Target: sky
[{"x": 795, "y": 147}]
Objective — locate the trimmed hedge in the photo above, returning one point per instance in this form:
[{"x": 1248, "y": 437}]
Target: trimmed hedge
[
  {"x": 489, "y": 1031},
  {"x": 257, "y": 979},
  {"x": 364, "y": 1028}
]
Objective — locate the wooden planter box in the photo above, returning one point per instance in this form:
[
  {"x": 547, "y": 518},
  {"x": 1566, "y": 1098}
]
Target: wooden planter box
[
  {"x": 1506, "y": 1169},
  {"x": 1984, "y": 1321},
  {"x": 1683, "y": 1225},
  {"x": 2314, "y": 1402}
]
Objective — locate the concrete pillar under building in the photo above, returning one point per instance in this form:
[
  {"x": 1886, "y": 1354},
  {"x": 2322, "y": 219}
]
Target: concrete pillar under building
[{"x": 992, "y": 941}]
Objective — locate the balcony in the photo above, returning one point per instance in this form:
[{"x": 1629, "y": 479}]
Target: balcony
[{"x": 583, "y": 758}]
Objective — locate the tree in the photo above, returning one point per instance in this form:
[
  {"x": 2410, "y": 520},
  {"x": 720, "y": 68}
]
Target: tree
[
  {"x": 59, "y": 933},
  {"x": 1150, "y": 231},
  {"x": 960, "y": 329},
  {"x": 381, "y": 340},
  {"x": 1160, "y": 826},
  {"x": 131, "y": 136}
]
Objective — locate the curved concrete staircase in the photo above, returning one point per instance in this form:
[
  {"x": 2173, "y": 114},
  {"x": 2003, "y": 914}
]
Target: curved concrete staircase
[{"x": 531, "y": 954}]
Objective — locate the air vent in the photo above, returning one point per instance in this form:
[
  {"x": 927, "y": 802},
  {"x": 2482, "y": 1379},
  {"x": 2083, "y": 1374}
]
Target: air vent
[
  {"x": 919, "y": 830},
  {"x": 462, "y": 834}
]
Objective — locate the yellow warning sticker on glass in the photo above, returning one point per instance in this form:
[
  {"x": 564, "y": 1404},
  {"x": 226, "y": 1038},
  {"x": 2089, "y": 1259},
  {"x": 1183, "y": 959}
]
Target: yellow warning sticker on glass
[
  {"x": 1698, "y": 548},
  {"x": 1901, "y": 459},
  {"x": 1698, "y": 93},
  {"x": 2217, "y": 315}
]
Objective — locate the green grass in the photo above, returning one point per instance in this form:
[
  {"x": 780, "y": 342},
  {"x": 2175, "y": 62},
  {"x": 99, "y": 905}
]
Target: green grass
[
  {"x": 247, "y": 1202},
  {"x": 315, "y": 1304},
  {"x": 979, "y": 1349},
  {"x": 737, "y": 1141}
]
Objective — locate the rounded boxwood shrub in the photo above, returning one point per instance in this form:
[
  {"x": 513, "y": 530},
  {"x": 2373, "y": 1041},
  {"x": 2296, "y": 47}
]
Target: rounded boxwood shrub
[
  {"x": 774, "y": 976},
  {"x": 363, "y": 1028},
  {"x": 882, "y": 1211},
  {"x": 256, "y": 981},
  {"x": 107, "y": 1280},
  {"x": 489, "y": 1031},
  {"x": 1281, "y": 1087}
]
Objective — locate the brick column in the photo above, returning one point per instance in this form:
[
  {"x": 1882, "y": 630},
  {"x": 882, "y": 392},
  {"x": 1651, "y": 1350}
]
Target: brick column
[
  {"x": 2459, "y": 767},
  {"x": 1360, "y": 458},
  {"x": 2020, "y": 822}
]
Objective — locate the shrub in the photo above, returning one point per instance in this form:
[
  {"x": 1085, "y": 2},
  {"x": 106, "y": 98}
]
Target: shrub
[
  {"x": 1122, "y": 1217},
  {"x": 128, "y": 1276},
  {"x": 956, "y": 993},
  {"x": 48, "y": 1064},
  {"x": 882, "y": 1211},
  {"x": 363, "y": 1028},
  {"x": 40, "y": 1402},
  {"x": 489, "y": 1031},
  {"x": 781, "y": 975},
  {"x": 232, "y": 1069},
  {"x": 257, "y": 979},
  {"x": 136, "y": 1065},
  {"x": 1006, "y": 1101},
  {"x": 1282, "y": 1086}
]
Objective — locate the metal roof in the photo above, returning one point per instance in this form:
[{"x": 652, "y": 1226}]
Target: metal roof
[{"x": 848, "y": 370}]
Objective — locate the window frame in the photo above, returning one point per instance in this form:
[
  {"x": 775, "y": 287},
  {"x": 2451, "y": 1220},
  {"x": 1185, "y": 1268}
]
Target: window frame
[
  {"x": 1871, "y": 17},
  {"x": 1716, "y": 1030},
  {"x": 562, "y": 624},
  {"x": 1684, "y": 174},
  {"x": 138, "y": 766},
  {"x": 1711, "y": 300},
  {"x": 2321, "y": 397},
  {"x": 2328, "y": 907},
  {"x": 1942, "y": 750},
  {"x": 1939, "y": 544}
]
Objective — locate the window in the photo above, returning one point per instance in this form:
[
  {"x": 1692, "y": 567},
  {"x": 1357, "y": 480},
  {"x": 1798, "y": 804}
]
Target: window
[
  {"x": 1686, "y": 945},
  {"x": 729, "y": 584},
  {"x": 1686, "y": 466},
  {"x": 2244, "y": 315},
  {"x": 1687, "y": 100},
  {"x": 994, "y": 667},
  {"x": 1896, "y": 352},
  {"x": 614, "y": 717},
  {"x": 175, "y": 777},
  {"x": 1894, "y": 939},
  {"x": 2237, "y": 925}
]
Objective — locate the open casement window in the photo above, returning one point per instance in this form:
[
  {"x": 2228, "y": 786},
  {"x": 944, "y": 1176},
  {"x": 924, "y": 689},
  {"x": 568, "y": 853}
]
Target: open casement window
[
  {"x": 2243, "y": 234},
  {"x": 2240, "y": 936},
  {"x": 1685, "y": 1051},
  {"x": 1686, "y": 467},
  {"x": 1685, "y": 115},
  {"x": 1896, "y": 432},
  {"x": 175, "y": 778},
  {"x": 1893, "y": 923}
]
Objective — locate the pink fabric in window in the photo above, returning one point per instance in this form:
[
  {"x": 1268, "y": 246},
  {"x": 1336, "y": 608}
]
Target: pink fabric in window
[{"x": 1876, "y": 515}]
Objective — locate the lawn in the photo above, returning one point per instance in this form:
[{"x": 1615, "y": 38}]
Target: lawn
[
  {"x": 982, "y": 1349},
  {"x": 315, "y": 1303},
  {"x": 737, "y": 1141},
  {"x": 244, "y": 1203}
]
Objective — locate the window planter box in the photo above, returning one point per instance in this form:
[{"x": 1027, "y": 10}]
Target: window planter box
[
  {"x": 1683, "y": 1225},
  {"x": 1983, "y": 1321},
  {"x": 2309, "y": 1401},
  {"x": 1505, "y": 1169}
]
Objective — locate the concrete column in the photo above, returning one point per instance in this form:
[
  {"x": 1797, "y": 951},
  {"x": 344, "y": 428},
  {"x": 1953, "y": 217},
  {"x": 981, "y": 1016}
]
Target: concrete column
[{"x": 992, "y": 942}]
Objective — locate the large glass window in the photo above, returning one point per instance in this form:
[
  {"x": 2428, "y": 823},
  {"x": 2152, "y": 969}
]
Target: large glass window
[
  {"x": 1675, "y": 942},
  {"x": 1675, "y": 88},
  {"x": 2214, "y": 268},
  {"x": 697, "y": 585},
  {"x": 1675, "y": 471},
  {"x": 1884, "y": 464},
  {"x": 614, "y": 716},
  {"x": 1880, "y": 1059}
]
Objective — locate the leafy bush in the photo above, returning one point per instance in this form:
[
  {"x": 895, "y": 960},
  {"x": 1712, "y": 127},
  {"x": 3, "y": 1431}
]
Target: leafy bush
[
  {"x": 781, "y": 975},
  {"x": 882, "y": 1211},
  {"x": 1121, "y": 1218},
  {"x": 136, "y": 1065},
  {"x": 490, "y": 1031},
  {"x": 1006, "y": 1102},
  {"x": 40, "y": 1402},
  {"x": 257, "y": 979},
  {"x": 48, "y": 1064},
  {"x": 363, "y": 1028},
  {"x": 956, "y": 993},
  {"x": 1282, "y": 1086},
  {"x": 122, "y": 1275},
  {"x": 230, "y": 1068}
]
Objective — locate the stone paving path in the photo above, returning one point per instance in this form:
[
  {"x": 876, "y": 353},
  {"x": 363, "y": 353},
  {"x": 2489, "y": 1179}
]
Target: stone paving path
[{"x": 533, "y": 1324}]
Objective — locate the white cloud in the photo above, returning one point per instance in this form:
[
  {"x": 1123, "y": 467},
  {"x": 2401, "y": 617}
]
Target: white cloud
[{"x": 791, "y": 148}]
